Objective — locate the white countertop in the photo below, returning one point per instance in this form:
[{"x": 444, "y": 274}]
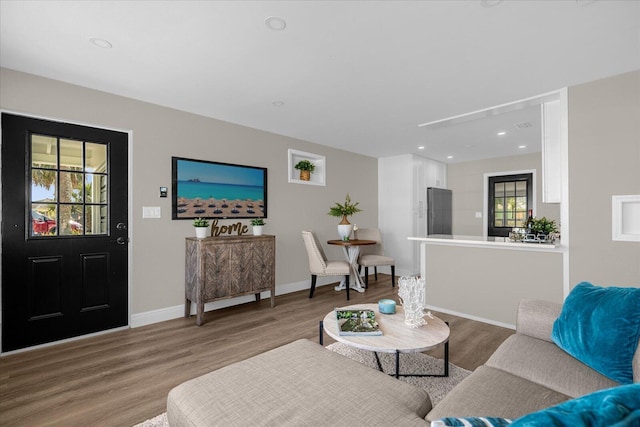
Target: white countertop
[{"x": 487, "y": 242}]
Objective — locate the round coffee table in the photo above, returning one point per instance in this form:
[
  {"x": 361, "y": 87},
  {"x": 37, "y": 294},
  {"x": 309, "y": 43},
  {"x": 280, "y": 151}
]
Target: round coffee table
[{"x": 397, "y": 337}]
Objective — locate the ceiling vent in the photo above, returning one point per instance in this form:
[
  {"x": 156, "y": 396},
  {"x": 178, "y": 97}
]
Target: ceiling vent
[{"x": 522, "y": 125}]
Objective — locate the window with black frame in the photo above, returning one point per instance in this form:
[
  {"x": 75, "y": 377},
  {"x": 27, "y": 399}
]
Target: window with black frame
[{"x": 510, "y": 198}]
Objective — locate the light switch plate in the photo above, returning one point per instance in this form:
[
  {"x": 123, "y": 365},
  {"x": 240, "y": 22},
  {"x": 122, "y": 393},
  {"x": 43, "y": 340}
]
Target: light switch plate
[
  {"x": 151, "y": 212},
  {"x": 478, "y": 214}
]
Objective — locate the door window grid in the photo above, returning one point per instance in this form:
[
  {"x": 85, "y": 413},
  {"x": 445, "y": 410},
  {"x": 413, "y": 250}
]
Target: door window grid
[
  {"x": 68, "y": 187},
  {"x": 510, "y": 198}
]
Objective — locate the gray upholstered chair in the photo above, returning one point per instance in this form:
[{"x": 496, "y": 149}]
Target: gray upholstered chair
[
  {"x": 318, "y": 264},
  {"x": 373, "y": 255}
]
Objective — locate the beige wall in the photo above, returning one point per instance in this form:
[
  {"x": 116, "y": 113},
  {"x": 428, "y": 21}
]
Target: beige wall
[
  {"x": 466, "y": 180},
  {"x": 157, "y": 245},
  {"x": 604, "y": 160}
]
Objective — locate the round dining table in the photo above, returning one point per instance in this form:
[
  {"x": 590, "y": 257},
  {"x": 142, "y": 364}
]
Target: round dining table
[{"x": 351, "y": 250}]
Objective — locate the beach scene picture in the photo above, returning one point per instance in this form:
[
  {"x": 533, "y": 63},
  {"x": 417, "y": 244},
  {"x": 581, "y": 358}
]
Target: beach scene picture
[{"x": 203, "y": 189}]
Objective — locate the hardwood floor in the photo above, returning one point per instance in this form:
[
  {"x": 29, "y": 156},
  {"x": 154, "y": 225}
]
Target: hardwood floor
[{"x": 122, "y": 378}]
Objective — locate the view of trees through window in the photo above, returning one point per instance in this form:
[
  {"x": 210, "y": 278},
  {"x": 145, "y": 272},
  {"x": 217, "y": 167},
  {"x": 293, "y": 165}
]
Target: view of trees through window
[{"x": 68, "y": 187}]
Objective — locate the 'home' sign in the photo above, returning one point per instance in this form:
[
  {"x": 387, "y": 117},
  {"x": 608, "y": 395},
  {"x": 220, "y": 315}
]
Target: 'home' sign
[{"x": 237, "y": 228}]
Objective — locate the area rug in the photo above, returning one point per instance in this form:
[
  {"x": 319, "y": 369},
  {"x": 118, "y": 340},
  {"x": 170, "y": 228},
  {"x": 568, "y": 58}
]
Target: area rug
[{"x": 410, "y": 363}]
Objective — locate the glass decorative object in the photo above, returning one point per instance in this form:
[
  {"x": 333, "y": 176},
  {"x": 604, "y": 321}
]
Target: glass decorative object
[{"x": 411, "y": 293}]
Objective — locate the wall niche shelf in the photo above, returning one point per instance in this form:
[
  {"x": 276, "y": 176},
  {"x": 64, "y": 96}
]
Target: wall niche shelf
[{"x": 318, "y": 175}]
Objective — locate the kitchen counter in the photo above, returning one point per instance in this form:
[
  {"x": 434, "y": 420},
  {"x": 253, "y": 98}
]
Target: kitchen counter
[
  {"x": 484, "y": 279},
  {"x": 488, "y": 242}
]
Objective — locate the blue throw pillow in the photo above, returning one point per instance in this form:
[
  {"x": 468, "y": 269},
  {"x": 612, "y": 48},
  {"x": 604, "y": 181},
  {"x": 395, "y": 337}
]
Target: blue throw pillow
[
  {"x": 613, "y": 407},
  {"x": 600, "y": 326}
]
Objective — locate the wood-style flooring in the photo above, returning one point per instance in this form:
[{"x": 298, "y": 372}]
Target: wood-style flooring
[{"x": 122, "y": 378}]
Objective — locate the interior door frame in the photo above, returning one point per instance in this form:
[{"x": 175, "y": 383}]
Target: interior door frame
[{"x": 130, "y": 226}]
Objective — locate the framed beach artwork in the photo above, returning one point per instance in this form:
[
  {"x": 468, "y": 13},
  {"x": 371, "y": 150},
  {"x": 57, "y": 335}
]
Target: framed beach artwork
[{"x": 207, "y": 189}]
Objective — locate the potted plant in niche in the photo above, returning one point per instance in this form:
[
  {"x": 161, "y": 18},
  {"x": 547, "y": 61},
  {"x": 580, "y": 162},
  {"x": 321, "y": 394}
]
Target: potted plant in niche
[
  {"x": 257, "y": 224},
  {"x": 201, "y": 225},
  {"x": 344, "y": 210},
  {"x": 306, "y": 168}
]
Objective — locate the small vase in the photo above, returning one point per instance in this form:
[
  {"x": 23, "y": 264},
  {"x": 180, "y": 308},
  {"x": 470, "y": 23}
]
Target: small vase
[
  {"x": 257, "y": 230},
  {"x": 305, "y": 175},
  {"x": 201, "y": 232},
  {"x": 344, "y": 228}
]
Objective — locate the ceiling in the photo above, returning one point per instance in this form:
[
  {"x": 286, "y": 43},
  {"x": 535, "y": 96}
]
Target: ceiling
[{"x": 355, "y": 75}]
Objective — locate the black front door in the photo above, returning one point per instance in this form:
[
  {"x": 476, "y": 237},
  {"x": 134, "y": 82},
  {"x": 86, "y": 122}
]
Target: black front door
[{"x": 64, "y": 231}]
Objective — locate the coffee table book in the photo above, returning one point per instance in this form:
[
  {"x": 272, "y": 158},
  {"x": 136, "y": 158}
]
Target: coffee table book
[{"x": 357, "y": 322}]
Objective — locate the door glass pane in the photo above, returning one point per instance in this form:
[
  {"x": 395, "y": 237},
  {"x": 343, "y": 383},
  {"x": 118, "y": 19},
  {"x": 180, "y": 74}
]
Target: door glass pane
[
  {"x": 510, "y": 188},
  {"x": 511, "y": 203},
  {"x": 95, "y": 220},
  {"x": 499, "y": 189},
  {"x": 43, "y": 219},
  {"x": 95, "y": 157},
  {"x": 71, "y": 220},
  {"x": 43, "y": 185},
  {"x": 44, "y": 152},
  {"x": 70, "y": 155},
  {"x": 96, "y": 188},
  {"x": 499, "y": 205},
  {"x": 521, "y": 203},
  {"x": 521, "y": 188},
  {"x": 71, "y": 187}
]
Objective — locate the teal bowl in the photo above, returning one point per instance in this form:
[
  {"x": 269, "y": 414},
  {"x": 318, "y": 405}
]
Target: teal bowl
[{"x": 387, "y": 306}]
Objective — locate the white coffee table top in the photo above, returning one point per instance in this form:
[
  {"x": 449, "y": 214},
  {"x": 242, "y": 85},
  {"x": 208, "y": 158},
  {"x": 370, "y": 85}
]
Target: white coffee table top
[{"x": 396, "y": 335}]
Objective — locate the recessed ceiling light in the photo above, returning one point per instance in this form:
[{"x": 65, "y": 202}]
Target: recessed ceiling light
[
  {"x": 522, "y": 146},
  {"x": 275, "y": 23},
  {"x": 502, "y": 133},
  {"x": 277, "y": 103},
  {"x": 97, "y": 41},
  {"x": 449, "y": 157},
  {"x": 490, "y": 3},
  {"x": 421, "y": 147}
]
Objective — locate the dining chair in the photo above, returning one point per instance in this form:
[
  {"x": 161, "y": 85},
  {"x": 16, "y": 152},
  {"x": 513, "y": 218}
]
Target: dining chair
[
  {"x": 319, "y": 265},
  {"x": 373, "y": 255}
]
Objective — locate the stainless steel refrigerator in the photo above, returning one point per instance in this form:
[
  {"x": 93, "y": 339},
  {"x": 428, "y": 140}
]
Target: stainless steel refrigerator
[{"x": 438, "y": 211}]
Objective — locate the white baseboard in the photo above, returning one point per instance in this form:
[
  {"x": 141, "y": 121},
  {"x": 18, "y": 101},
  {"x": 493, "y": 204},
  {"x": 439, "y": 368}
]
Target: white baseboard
[
  {"x": 471, "y": 317},
  {"x": 169, "y": 313}
]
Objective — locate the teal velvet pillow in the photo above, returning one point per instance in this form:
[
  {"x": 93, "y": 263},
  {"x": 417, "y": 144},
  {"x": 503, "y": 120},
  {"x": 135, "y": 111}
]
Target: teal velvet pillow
[
  {"x": 600, "y": 326},
  {"x": 613, "y": 407}
]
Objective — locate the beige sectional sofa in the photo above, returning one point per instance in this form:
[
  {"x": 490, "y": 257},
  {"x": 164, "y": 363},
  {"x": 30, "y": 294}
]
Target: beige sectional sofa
[
  {"x": 302, "y": 383},
  {"x": 528, "y": 372}
]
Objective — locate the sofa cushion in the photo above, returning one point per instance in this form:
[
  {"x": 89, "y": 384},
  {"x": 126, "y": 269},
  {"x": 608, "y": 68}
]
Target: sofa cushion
[
  {"x": 298, "y": 384},
  {"x": 536, "y": 317},
  {"x": 600, "y": 326},
  {"x": 491, "y": 392},
  {"x": 619, "y": 406},
  {"x": 545, "y": 363}
]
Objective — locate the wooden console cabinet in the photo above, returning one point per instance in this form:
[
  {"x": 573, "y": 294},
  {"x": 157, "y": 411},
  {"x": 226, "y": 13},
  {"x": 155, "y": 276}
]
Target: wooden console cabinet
[{"x": 228, "y": 266}]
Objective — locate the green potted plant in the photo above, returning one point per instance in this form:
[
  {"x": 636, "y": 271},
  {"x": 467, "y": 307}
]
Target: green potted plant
[
  {"x": 543, "y": 226},
  {"x": 306, "y": 168},
  {"x": 544, "y": 229},
  {"x": 257, "y": 224},
  {"x": 201, "y": 225},
  {"x": 344, "y": 210}
]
